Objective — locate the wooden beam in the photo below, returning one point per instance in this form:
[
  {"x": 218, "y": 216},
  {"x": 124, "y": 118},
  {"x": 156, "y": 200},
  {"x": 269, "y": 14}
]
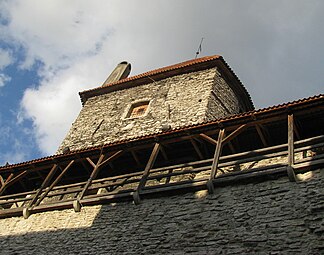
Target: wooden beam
[
  {"x": 218, "y": 150},
  {"x": 2, "y": 182},
  {"x": 54, "y": 183},
  {"x": 291, "y": 158},
  {"x": 92, "y": 176},
  {"x": 149, "y": 165},
  {"x": 111, "y": 158},
  {"x": 296, "y": 130},
  {"x": 5, "y": 184},
  {"x": 261, "y": 135},
  {"x": 165, "y": 156},
  {"x": 235, "y": 133},
  {"x": 11, "y": 180},
  {"x": 101, "y": 162},
  {"x": 44, "y": 184},
  {"x": 231, "y": 146},
  {"x": 208, "y": 139},
  {"x": 146, "y": 172},
  {"x": 168, "y": 179},
  {"x": 217, "y": 154},
  {"x": 91, "y": 162},
  {"x": 195, "y": 145},
  {"x": 85, "y": 166},
  {"x": 138, "y": 162}
]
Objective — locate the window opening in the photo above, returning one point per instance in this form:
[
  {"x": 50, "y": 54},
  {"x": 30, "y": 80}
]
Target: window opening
[{"x": 138, "y": 109}]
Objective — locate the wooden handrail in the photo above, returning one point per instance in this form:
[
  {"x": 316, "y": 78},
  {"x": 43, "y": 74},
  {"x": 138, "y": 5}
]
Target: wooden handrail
[{"x": 198, "y": 166}]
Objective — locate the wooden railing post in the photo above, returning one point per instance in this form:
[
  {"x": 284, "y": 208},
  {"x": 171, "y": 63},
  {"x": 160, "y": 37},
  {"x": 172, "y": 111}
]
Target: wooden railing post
[{"x": 291, "y": 153}]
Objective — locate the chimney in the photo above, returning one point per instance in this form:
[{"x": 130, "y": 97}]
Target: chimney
[{"x": 121, "y": 71}]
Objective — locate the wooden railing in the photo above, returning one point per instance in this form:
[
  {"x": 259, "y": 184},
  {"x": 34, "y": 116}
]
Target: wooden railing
[{"x": 192, "y": 175}]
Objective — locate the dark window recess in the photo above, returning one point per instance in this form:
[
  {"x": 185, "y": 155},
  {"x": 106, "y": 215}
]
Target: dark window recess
[{"x": 138, "y": 109}]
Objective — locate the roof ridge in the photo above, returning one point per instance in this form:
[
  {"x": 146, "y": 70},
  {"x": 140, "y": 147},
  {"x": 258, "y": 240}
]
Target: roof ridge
[{"x": 160, "y": 70}]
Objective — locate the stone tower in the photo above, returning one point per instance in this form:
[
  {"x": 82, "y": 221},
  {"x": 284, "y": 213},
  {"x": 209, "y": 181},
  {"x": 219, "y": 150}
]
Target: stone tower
[
  {"x": 172, "y": 97},
  {"x": 165, "y": 162}
]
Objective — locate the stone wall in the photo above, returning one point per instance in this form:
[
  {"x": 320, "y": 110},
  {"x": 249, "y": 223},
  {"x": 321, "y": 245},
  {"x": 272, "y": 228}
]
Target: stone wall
[
  {"x": 222, "y": 100},
  {"x": 260, "y": 217},
  {"x": 178, "y": 101}
]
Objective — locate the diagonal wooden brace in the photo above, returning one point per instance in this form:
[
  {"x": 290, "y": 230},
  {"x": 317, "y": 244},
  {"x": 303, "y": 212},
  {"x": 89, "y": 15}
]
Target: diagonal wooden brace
[
  {"x": 217, "y": 154},
  {"x": 195, "y": 145},
  {"x": 11, "y": 180},
  {"x": 44, "y": 184},
  {"x": 208, "y": 138},
  {"x": 101, "y": 162},
  {"x": 235, "y": 133},
  {"x": 2, "y": 182},
  {"x": 53, "y": 183},
  {"x": 261, "y": 135},
  {"x": 148, "y": 167},
  {"x": 5, "y": 183}
]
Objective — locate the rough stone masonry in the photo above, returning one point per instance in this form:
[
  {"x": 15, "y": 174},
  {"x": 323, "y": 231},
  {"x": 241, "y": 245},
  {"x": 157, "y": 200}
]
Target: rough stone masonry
[
  {"x": 176, "y": 101},
  {"x": 273, "y": 216}
]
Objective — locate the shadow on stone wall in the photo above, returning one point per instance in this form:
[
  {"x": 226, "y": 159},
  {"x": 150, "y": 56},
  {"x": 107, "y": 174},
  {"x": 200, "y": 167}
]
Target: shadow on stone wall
[{"x": 270, "y": 217}]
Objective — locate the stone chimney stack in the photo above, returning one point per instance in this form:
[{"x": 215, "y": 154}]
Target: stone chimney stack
[{"x": 121, "y": 71}]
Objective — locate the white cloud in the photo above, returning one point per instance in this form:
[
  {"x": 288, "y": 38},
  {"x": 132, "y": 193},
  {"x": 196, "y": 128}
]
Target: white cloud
[
  {"x": 54, "y": 104},
  {"x": 6, "y": 58},
  {"x": 4, "y": 79},
  {"x": 79, "y": 43}
]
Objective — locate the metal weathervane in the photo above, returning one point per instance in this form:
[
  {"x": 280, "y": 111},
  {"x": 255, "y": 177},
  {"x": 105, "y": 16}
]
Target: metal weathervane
[{"x": 199, "y": 48}]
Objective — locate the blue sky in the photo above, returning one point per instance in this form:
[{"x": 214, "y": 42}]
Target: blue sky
[{"x": 51, "y": 50}]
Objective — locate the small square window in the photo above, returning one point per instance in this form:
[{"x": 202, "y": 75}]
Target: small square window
[{"x": 138, "y": 109}]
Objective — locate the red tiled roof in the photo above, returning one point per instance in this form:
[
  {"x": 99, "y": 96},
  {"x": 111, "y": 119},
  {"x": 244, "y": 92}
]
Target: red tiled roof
[
  {"x": 162, "y": 70},
  {"x": 317, "y": 99},
  {"x": 169, "y": 71}
]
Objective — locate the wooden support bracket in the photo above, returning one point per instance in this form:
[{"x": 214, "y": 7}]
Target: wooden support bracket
[
  {"x": 235, "y": 133},
  {"x": 101, "y": 162},
  {"x": 231, "y": 146},
  {"x": 164, "y": 154},
  {"x": 44, "y": 184},
  {"x": 195, "y": 145},
  {"x": 210, "y": 187},
  {"x": 261, "y": 135},
  {"x": 2, "y": 182},
  {"x": 11, "y": 180},
  {"x": 85, "y": 166},
  {"x": 217, "y": 154},
  {"x": 138, "y": 162},
  {"x": 208, "y": 139},
  {"x": 148, "y": 167},
  {"x": 5, "y": 183},
  {"x": 53, "y": 183}
]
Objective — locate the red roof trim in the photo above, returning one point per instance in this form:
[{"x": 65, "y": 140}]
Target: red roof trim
[
  {"x": 169, "y": 71},
  {"x": 160, "y": 70},
  {"x": 162, "y": 73}
]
